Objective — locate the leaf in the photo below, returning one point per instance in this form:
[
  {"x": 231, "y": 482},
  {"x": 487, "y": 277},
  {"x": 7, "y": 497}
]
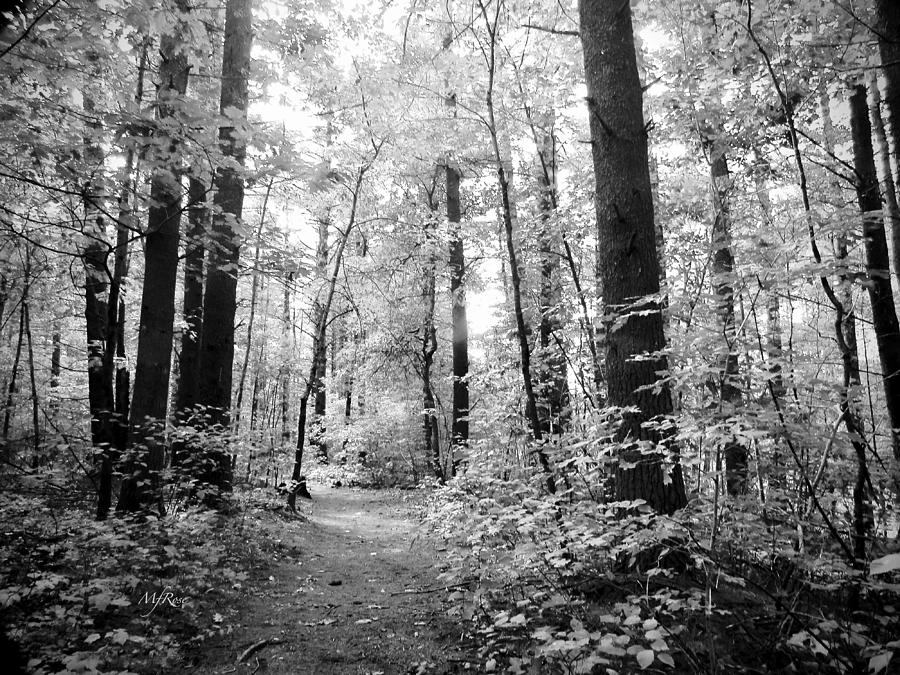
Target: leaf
[
  {"x": 880, "y": 662},
  {"x": 888, "y": 563},
  {"x": 667, "y": 659},
  {"x": 92, "y": 638},
  {"x": 645, "y": 657},
  {"x": 118, "y": 636}
]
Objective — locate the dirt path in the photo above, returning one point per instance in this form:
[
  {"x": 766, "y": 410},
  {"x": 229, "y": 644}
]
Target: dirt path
[{"x": 346, "y": 596}]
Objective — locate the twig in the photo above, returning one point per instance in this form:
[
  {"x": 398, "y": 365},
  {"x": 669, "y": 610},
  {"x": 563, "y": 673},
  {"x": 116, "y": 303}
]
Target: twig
[
  {"x": 422, "y": 591},
  {"x": 256, "y": 646}
]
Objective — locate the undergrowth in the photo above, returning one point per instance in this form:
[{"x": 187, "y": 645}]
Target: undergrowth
[
  {"x": 568, "y": 584},
  {"x": 80, "y": 596}
]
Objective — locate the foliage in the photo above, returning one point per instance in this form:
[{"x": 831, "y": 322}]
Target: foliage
[
  {"x": 73, "y": 592},
  {"x": 573, "y": 585}
]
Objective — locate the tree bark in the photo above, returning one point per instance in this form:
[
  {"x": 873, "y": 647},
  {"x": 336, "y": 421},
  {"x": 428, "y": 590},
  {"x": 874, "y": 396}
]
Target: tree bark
[
  {"x": 220, "y": 300},
  {"x": 186, "y": 396},
  {"x": 886, "y": 178},
  {"x": 154, "y": 355},
  {"x": 887, "y": 30},
  {"x": 628, "y": 265},
  {"x": 884, "y": 315}
]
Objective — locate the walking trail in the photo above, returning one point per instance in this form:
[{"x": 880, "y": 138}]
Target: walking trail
[{"x": 353, "y": 591}]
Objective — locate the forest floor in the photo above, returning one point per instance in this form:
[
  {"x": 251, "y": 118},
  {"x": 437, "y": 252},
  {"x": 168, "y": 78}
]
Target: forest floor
[{"x": 352, "y": 589}]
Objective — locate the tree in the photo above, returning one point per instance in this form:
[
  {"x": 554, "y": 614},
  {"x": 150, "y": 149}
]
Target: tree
[
  {"x": 192, "y": 301},
  {"x": 430, "y": 429},
  {"x": 884, "y": 314},
  {"x": 154, "y": 357},
  {"x": 220, "y": 298},
  {"x": 629, "y": 266},
  {"x": 460, "y": 431},
  {"x": 554, "y": 385},
  {"x": 492, "y": 27},
  {"x": 887, "y": 31}
]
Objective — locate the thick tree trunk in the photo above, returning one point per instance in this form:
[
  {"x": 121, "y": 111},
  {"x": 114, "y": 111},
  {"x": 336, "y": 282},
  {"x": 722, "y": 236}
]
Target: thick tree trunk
[
  {"x": 722, "y": 281},
  {"x": 553, "y": 374},
  {"x": 884, "y": 315},
  {"x": 459, "y": 323},
  {"x": 154, "y": 355},
  {"x": 628, "y": 265},
  {"x": 220, "y": 299}
]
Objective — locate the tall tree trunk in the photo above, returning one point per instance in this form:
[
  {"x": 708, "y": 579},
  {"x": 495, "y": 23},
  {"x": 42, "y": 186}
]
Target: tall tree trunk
[
  {"x": 13, "y": 378},
  {"x": 186, "y": 396},
  {"x": 531, "y": 410},
  {"x": 459, "y": 322},
  {"x": 884, "y": 315},
  {"x": 459, "y": 431},
  {"x": 114, "y": 358},
  {"x": 430, "y": 431},
  {"x": 319, "y": 339},
  {"x": 35, "y": 403},
  {"x": 888, "y": 188},
  {"x": 95, "y": 255},
  {"x": 320, "y": 351},
  {"x": 253, "y": 293},
  {"x": 628, "y": 265},
  {"x": 553, "y": 377},
  {"x": 220, "y": 300},
  {"x": 845, "y": 329},
  {"x": 774, "y": 343},
  {"x": 723, "y": 285},
  {"x": 154, "y": 355},
  {"x": 887, "y": 30},
  {"x": 55, "y": 367},
  {"x": 286, "y": 358}
]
